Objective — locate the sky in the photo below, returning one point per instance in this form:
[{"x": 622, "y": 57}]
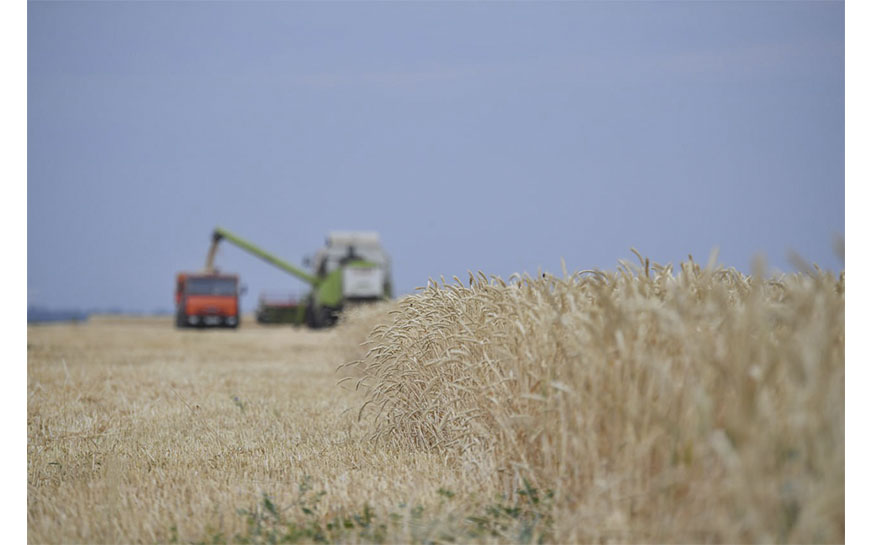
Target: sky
[{"x": 500, "y": 137}]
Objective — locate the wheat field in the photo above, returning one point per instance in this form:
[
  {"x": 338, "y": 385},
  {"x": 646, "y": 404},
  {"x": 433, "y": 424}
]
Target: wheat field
[{"x": 641, "y": 405}]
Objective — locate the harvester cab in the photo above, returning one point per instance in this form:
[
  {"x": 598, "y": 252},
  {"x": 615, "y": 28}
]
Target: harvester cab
[{"x": 365, "y": 265}]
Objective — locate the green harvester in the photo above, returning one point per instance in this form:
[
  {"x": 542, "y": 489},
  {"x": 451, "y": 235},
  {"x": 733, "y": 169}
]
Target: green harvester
[{"x": 351, "y": 269}]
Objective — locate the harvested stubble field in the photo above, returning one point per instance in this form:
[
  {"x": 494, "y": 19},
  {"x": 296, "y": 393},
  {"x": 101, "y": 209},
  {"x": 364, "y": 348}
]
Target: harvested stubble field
[{"x": 638, "y": 405}]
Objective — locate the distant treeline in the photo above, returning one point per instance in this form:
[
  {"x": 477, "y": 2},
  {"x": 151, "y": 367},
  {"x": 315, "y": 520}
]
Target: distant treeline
[{"x": 42, "y": 314}]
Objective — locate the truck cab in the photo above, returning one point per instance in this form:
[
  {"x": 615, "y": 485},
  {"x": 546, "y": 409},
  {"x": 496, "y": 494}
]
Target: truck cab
[{"x": 207, "y": 300}]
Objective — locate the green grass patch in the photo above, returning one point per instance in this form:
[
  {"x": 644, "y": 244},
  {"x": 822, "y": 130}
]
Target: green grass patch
[{"x": 526, "y": 520}]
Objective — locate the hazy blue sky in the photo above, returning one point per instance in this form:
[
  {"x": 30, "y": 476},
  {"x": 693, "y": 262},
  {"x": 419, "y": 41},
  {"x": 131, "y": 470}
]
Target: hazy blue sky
[{"x": 498, "y": 137}]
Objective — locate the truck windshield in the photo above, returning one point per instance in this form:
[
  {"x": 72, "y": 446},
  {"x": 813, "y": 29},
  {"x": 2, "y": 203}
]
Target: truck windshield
[{"x": 211, "y": 286}]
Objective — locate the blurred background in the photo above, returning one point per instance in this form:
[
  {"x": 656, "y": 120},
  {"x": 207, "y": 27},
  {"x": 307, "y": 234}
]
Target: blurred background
[{"x": 493, "y": 137}]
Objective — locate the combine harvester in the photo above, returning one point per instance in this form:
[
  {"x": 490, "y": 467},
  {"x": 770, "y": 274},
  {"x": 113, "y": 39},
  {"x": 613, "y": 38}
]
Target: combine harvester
[{"x": 352, "y": 268}]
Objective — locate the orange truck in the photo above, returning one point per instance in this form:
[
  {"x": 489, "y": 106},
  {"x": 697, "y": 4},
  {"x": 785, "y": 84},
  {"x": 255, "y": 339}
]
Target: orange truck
[{"x": 207, "y": 299}]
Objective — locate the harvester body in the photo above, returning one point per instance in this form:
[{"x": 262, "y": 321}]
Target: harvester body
[{"x": 352, "y": 268}]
